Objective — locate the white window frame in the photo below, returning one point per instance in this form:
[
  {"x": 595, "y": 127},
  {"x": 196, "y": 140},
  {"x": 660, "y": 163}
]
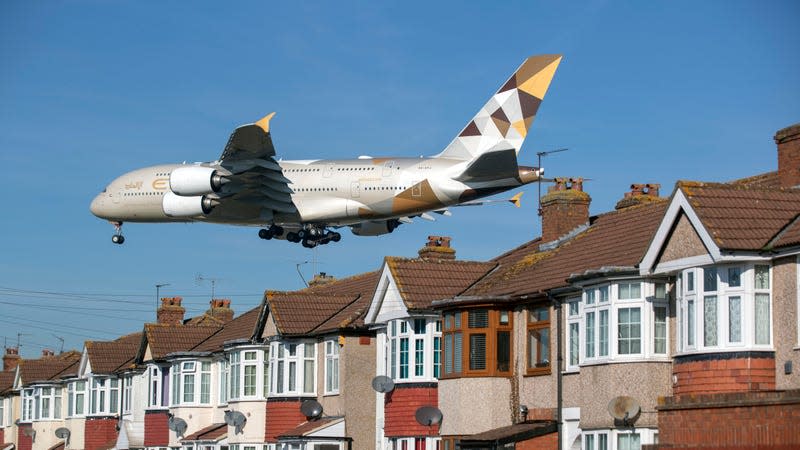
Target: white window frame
[
  {"x": 421, "y": 336},
  {"x": 692, "y": 309},
  {"x": 186, "y": 370},
  {"x": 157, "y": 398},
  {"x": 244, "y": 365},
  {"x": 289, "y": 376},
  {"x": 77, "y": 397},
  {"x": 104, "y": 395},
  {"x": 2, "y": 411},
  {"x": 591, "y": 439},
  {"x": 331, "y": 366},
  {"x": 573, "y": 343},
  {"x": 127, "y": 394}
]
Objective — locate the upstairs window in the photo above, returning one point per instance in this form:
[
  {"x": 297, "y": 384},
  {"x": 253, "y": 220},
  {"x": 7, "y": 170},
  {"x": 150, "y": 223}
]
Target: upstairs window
[
  {"x": 191, "y": 383},
  {"x": 411, "y": 352},
  {"x": 538, "y": 330},
  {"x": 157, "y": 387},
  {"x": 477, "y": 342},
  {"x": 76, "y": 398},
  {"x": 293, "y": 367},
  {"x": 248, "y": 374},
  {"x": 103, "y": 395},
  {"x": 331, "y": 367}
]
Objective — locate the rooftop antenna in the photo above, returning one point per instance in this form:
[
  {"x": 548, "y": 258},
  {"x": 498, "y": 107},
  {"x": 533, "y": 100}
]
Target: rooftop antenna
[
  {"x": 297, "y": 267},
  {"x": 200, "y": 278},
  {"x": 539, "y": 163},
  {"x": 158, "y": 292},
  {"x": 61, "y": 339}
]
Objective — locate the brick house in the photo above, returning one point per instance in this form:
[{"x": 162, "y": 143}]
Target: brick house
[{"x": 9, "y": 400}]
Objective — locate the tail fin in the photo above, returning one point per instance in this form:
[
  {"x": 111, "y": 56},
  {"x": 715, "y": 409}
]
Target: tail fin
[{"x": 505, "y": 119}]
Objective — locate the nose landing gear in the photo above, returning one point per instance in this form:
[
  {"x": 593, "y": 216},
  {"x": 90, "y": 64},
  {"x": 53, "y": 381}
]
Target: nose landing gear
[{"x": 117, "y": 238}]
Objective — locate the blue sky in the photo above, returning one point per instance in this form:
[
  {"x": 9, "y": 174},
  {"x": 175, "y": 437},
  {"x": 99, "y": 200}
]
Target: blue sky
[{"x": 646, "y": 92}]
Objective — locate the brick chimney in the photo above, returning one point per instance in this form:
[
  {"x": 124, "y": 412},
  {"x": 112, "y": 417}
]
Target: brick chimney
[
  {"x": 788, "y": 140},
  {"x": 564, "y": 208},
  {"x": 437, "y": 249},
  {"x": 639, "y": 194},
  {"x": 170, "y": 312},
  {"x": 47, "y": 352},
  {"x": 10, "y": 359},
  {"x": 220, "y": 308},
  {"x": 320, "y": 279}
]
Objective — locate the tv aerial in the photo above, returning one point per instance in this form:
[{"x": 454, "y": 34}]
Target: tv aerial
[
  {"x": 199, "y": 279},
  {"x": 428, "y": 415},
  {"x": 382, "y": 384},
  {"x": 236, "y": 420},
  {"x": 624, "y": 409},
  {"x": 63, "y": 433},
  {"x": 177, "y": 425},
  {"x": 311, "y": 409}
]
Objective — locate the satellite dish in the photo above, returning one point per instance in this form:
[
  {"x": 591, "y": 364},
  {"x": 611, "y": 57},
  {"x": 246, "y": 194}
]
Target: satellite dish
[
  {"x": 383, "y": 384},
  {"x": 236, "y": 420},
  {"x": 311, "y": 409},
  {"x": 428, "y": 415},
  {"x": 177, "y": 425},
  {"x": 624, "y": 408},
  {"x": 62, "y": 433}
]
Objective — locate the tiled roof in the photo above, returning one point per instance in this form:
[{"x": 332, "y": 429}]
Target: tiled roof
[
  {"x": 239, "y": 328},
  {"x": 310, "y": 426},
  {"x": 618, "y": 238},
  {"x": 745, "y": 218},
  {"x": 6, "y": 381},
  {"x": 166, "y": 339},
  {"x": 421, "y": 281},
  {"x": 769, "y": 180},
  {"x": 512, "y": 433},
  {"x": 302, "y": 313},
  {"x": 106, "y": 357},
  {"x": 363, "y": 283},
  {"x": 49, "y": 367},
  {"x": 213, "y": 433}
]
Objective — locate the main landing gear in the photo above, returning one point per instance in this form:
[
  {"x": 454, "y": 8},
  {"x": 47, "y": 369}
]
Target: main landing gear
[
  {"x": 310, "y": 236},
  {"x": 117, "y": 238}
]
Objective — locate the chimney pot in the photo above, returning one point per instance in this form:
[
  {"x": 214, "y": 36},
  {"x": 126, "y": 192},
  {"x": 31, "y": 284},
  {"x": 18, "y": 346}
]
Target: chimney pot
[
  {"x": 170, "y": 312},
  {"x": 220, "y": 309},
  {"x": 437, "y": 248},
  {"x": 11, "y": 358},
  {"x": 47, "y": 352},
  {"x": 639, "y": 193}
]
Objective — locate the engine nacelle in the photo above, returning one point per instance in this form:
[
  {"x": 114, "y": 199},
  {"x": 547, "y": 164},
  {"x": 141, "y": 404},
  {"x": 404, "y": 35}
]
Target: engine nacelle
[
  {"x": 195, "y": 180},
  {"x": 374, "y": 227},
  {"x": 180, "y": 206}
]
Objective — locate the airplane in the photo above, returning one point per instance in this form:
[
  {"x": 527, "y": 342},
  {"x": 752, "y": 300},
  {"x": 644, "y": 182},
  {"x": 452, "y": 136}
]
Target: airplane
[{"x": 305, "y": 201}]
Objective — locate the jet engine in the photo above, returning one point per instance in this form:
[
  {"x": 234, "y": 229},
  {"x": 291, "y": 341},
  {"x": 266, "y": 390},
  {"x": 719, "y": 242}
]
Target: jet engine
[
  {"x": 195, "y": 180},
  {"x": 374, "y": 227},
  {"x": 179, "y": 206}
]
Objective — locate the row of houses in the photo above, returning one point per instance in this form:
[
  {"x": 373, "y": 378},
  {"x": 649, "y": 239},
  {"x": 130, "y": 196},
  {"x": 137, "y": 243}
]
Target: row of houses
[{"x": 665, "y": 323}]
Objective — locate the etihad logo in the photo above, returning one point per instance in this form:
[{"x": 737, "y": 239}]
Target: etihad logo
[
  {"x": 134, "y": 185},
  {"x": 160, "y": 184}
]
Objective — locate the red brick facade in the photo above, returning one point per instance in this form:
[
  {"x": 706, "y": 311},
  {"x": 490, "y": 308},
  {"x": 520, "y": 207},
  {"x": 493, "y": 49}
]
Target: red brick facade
[
  {"x": 282, "y": 416},
  {"x": 400, "y": 406},
  {"x": 24, "y": 442},
  {"x": 156, "y": 431},
  {"x": 724, "y": 373},
  {"x": 788, "y": 140},
  {"x": 564, "y": 208},
  {"x": 2, "y": 436},
  {"x": 753, "y": 420},
  {"x": 546, "y": 442},
  {"x": 99, "y": 433}
]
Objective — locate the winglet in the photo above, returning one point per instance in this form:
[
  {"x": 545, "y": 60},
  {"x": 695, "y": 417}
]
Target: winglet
[
  {"x": 516, "y": 200},
  {"x": 264, "y": 122}
]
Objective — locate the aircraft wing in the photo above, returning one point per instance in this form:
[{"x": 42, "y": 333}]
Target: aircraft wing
[{"x": 255, "y": 177}]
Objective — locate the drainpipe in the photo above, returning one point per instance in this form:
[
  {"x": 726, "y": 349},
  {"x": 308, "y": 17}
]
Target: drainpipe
[{"x": 559, "y": 363}]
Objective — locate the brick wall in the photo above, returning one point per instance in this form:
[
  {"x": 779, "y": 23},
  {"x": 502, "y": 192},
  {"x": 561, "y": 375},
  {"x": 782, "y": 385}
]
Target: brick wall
[
  {"x": 752, "y": 420},
  {"x": 724, "y": 372},
  {"x": 2, "y": 436},
  {"x": 99, "y": 433},
  {"x": 156, "y": 431},
  {"x": 564, "y": 208},
  {"x": 400, "y": 406},
  {"x": 546, "y": 442},
  {"x": 788, "y": 140},
  {"x": 24, "y": 442},
  {"x": 282, "y": 416}
]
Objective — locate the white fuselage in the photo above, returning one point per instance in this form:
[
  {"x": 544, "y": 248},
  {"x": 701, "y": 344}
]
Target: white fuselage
[{"x": 325, "y": 192}]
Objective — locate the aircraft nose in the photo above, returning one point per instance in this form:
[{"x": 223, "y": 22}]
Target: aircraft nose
[{"x": 97, "y": 206}]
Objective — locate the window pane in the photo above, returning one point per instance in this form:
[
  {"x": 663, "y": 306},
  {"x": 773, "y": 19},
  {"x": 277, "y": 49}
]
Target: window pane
[
  {"x": 762, "y": 319},
  {"x": 660, "y": 290},
  {"x": 457, "y": 352},
  {"x": 419, "y": 357},
  {"x": 628, "y": 442},
  {"x": 603, "y": 351},
  {"x": 762, "y": 277},
  {"x": 602, "y": 441},
  {"x": 477, "y": 351},
  {"x": 403, "y": 358},
  {"x": 437, "y": 357},
  {"x": 448, "y": 321},
  {"x": 734, "y": 276},
  {"x": 539, "y": 314},
  {"x": 188, "y": 388},
  {"x": 603, "y": 294},
  {"x": 503, "y": 351},
  {"x": 292, "y": 376},
  {"x": 690, "y": 281},
  {"x": 735, "y": 319},
  {"x": 457, "y": 320},
  {"x": 590, "y": 294},
  {"x": 574, "y": 343},
  {"x": 419, "y": 326},
  {"x": 308, "y": 376},
  {"x": 574, "y": 308},
  {"x": 660, "y": 330},
  {"x": 690, "y": 322},
  {"x": 629, "y": 331},
  {"x": 478, "y": 318},
  {"x": 589, "y": 442},
  {"x": 538, "y": 348},
  {"x": 709, "y": 279},
  {"x": 205, "y": 388},
  {"x": 590, "y": 330},
  {"x": 448, "y": 354},
  {"x": 249, "y": 379},
  {"x": 710, "y": 320}
]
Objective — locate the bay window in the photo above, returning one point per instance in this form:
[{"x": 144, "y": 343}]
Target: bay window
[
  {"x": 411, "y": 352},
  {"x": 247, "y": 374},
  {"x": 41, "y": 403},
  {"x": 729, "y": 309},
  {"x": 191, "y": 383},
  {"x": 486, "y": 334},
  {"x": 293, "y": 366},
  {"x": 103, "y": 395}
]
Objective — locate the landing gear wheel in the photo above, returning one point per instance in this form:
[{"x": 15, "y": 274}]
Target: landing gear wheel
[
  {"x": 118, "y": 239},
  {"x": 276, "y": 230},
  {"x": 265, "y": 234},
  {"x": 309, "y": 244},
  {"x": 292, "y": 237},
  {"x": 336, "y": 237},
  {"x": 302, "y": 234}
]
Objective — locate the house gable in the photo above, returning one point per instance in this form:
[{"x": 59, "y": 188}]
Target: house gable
[
  {"x": 387, "y": 303},
  {"x": 683, "y": 242}
]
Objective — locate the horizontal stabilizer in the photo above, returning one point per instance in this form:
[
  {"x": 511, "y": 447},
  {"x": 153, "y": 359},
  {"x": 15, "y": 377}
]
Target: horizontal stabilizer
[{"x": 491, "y": 166}]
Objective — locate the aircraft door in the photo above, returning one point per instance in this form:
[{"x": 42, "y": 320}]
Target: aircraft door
[
  {"x": 116, "y": 195},
  {"x": 355, "y": 189},
  {"x": 328, "y": 171},
  {"x": 388, "y": 168}
]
